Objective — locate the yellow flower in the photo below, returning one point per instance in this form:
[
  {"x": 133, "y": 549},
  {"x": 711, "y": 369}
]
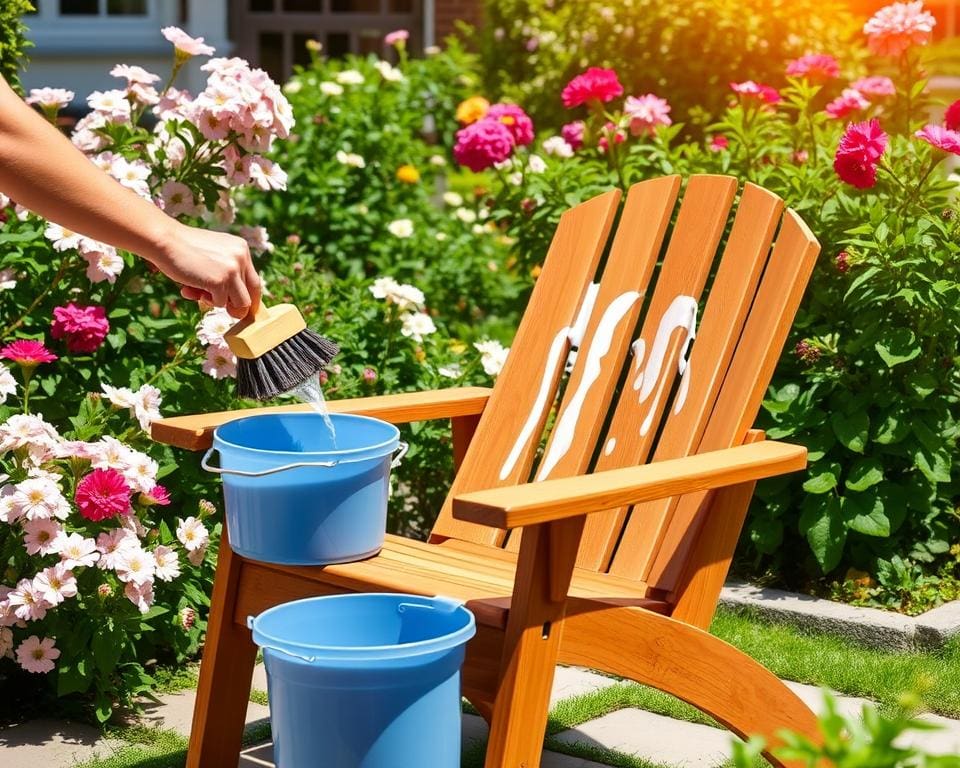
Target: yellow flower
[
  {"x": 408, "y": 174},
  {"x": 472, "y": 109}
]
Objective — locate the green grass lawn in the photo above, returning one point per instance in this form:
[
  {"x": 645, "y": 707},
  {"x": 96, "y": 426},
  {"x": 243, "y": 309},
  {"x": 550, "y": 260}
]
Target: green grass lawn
[{"x": 805, "y": 657}]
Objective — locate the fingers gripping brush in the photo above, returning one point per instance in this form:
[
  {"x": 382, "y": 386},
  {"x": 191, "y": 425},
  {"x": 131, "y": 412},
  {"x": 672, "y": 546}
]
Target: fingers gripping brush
[{"x": 276, "y": 352}]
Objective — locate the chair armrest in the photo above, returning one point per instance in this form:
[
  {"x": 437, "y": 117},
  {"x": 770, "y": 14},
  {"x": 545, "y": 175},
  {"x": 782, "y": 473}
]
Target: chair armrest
[
  {"x": 519, "y": 505},
  {"x": 195, "y": 432}
]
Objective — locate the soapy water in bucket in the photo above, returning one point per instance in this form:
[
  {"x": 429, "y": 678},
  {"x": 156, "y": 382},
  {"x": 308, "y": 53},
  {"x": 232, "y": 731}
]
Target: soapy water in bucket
[{"x": 311, "y": 393}]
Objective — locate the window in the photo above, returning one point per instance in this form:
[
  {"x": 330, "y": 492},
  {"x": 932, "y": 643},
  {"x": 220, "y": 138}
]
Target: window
[
  {"x": 103, "y": 7},
  {"x": 110, "y": 27}
]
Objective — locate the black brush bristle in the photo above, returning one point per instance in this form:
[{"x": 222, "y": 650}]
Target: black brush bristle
[{"x": 285, "y": 367}]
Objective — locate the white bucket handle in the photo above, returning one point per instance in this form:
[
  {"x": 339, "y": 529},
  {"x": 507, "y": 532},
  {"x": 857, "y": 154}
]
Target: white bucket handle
[{"x": 401, "y": 449}]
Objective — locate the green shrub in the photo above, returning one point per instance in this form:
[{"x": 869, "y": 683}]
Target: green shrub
[
  {"x": 13, "y": 42},
  {"x": 686, "y": 50}
]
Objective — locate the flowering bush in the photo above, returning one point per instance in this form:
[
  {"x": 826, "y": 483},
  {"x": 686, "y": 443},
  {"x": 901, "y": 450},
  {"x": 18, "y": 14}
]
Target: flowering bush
[{"x": 869, "y": 381}]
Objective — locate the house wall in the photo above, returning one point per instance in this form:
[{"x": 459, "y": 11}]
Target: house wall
[{"x": 448, "y": 12}]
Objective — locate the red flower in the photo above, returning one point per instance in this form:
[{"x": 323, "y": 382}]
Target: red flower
[
  {"x": 27, "y": 353},
  {"x": 860, "y": 148},
  {"x": 951, "y": 117},
  {"x": 84, "y": 328},
  {"x": 814, "y": 66},
  {"x": 102, "y": 494},
  {"x": 610, "y": 131},
  {"x": 483, "y": 144},
  {"x": 516, "y": 120},
  {"x": 595, "y": 84},
  {"x": 750, "y": 89},
  {"x": 851, "y": 100},
  {"x": 157, "y": 495},
  {"x": 718, "y": 143},
  {"x": 941, "y": 138}
]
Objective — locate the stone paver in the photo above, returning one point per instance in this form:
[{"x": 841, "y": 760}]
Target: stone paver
[
  {"x": 573, "y": 681},
  {"x": 945, "y": 741},
  {"x": 175, "y": 712},
  {"x": 259, "y": 678},
  {"x": 52, "y": 744},
  {"x": 812, "y": 696}
]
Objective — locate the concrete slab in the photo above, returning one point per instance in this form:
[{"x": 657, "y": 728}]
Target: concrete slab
[
  {"x": 936, "y": 627},
  {"x": 574, "y": 681},
  {"x": 655, "y": 738},
  {"x": 944, "y": 741},
  {"x": 52, "y": 744},
  {"x": 812, "y": 696},
  {"x": 174, "y": 711},
  {"x": 259, "y": 678}
]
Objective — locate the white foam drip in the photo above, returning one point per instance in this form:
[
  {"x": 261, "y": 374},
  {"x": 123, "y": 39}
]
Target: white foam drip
[
  {"x": 682, "y": 313},
  {"x": 611, "y": 444},
  {"x": 579, "y": 327},
  {"x": 553, "y": 359},
  {"x": 311, "y": 393},
  {"x": 566, "y": 427}
]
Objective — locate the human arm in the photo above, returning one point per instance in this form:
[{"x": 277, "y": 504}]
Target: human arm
[{"x": 43, "y": 171}]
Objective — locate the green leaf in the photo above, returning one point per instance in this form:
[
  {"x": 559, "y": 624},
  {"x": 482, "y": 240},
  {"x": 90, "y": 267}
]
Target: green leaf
[
  {"x": 107, "y": 647},
  {"x": 823, "y": 480},
  {"x": 922, "y": 383},
  {"x": 822, "y": 523},
  {"x": 897, "y": 345},
  {"x": 851, "y": 429},
  {"x": 73, "y": 677},
  {"x": 894, "y": 427},
  {"x": 863, "y": 474},
  {"x": 864, "y": 514}
]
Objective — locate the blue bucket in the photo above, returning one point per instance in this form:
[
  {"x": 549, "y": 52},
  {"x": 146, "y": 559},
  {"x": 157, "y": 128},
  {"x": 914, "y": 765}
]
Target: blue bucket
[
  {"x": 365, "y": 681},
  {"x": 294, "y": 497}
]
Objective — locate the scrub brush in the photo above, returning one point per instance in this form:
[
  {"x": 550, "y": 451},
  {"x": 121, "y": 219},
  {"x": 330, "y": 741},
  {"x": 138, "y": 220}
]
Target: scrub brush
[{"x": 276, "y": 352}]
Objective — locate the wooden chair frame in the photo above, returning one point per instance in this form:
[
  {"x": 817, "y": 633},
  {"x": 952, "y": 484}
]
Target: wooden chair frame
[{"x": 562, "y": 592}]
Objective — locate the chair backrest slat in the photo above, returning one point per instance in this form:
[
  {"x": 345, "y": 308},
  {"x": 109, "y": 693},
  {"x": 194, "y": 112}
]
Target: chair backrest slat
[
  {"x": 507, "y": 437},
  {"x": 666, "y": 329},
  {"x": 728, "y": 302}
]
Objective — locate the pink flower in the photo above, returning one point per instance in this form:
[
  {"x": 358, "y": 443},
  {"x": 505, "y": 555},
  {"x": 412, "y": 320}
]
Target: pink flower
[
  {"x": 897, "y": 27},
  {"x": 814, "y": 66},
  {"x": 84, "y": 328},
  {"x": 103, "y": 265},
  {"x": 56, "y": 584},
  {"x": 860, "y": 149},
  {"x": 610, "y": 131},
  {"x": 186, "y": 46},
  {"x": 27, "y": 601},
  {"x": 134, "y": 74},
  {"x": 177, "y": 199},
  {"x": 369, "y": 375},
  {"x": 718, "y": 143},
  {"x": 646, "y": 113},
  {"x": 158, "y": 495},
  {"x": 141, "y": 595},
  {"x": 875, "y": 85},
  {"x": 136, "y": 565},
  {"x": 941, "y": 138},
  {"x": 103, "y": 494},
  {"x": 850, "y": 100},
  {"x": 257, "y": 238},
  {"x": 50, "y": 98},
  {"x": 951, "y": 117},
  {"x": 220, "y": 363},
  {"x": 27, "y": 353},
  {"x": 512, "y": 116},
  {"x": 40, "y": 536},
  {"x": 110, "y": 544},
  {"x": 572, "y": 133},
  {"x": 750, "y": 89},
  {"x": 398, "y": 37},
  {"x": 167, "y": 564},
  {"x": 594, "y": 85},
  {"x": 483, "y": 144},
  {"x": 76, "y": 551},
  {"x": 36, "y": 655}
]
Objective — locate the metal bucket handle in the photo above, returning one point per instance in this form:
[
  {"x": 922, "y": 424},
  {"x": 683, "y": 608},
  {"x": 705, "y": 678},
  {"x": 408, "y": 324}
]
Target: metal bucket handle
[{"x": 402, "y": 449}]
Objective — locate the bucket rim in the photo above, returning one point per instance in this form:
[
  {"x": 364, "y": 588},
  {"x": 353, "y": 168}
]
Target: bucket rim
[
  {"x": 392, "y": 650},
  {"x": 387, "y": 445}
]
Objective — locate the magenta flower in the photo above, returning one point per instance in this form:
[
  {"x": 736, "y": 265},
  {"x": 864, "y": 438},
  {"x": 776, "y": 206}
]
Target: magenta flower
[
  {"x": 84, "y": 328},
  {"x": 765, "y": 93},
  {"x": 646, "y": 113},
  {"x": 875, "y": 85},
  {"x": 483, "y": 144},
  {"x": 814, "y": 66},
  {"x": 718, "y": 143},
  {"x": 860, "y": 149},
  {"x": 851, "y": 100},
  {"x": 940, "y": 138},
  {"x": 572, "y": 133},
  {"x": 898, "y": 27},
  {"x": 610, "y": 131},
  {"x": 518, "y": 121},
  {"x": 103, "y": 494},
  {"x": 157, "y": 495},
  {"x": 27, "y": 353},
  {"x": 596, "y": 84},
  {"x": 951, "y": 117}
]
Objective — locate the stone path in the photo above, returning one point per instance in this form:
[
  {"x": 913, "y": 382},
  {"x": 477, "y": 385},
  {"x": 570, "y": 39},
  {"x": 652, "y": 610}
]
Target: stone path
[{"x": 659, "y": 739}]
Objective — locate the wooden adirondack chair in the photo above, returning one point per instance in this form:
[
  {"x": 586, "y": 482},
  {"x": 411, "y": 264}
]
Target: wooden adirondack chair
[{"x": 629, "y": 523}]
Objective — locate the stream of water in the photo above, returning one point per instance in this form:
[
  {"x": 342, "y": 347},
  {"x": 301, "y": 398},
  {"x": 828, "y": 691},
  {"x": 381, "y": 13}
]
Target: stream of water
[{"x": 311, "y": 393}]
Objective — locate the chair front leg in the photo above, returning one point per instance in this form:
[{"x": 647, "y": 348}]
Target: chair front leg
[{"x": 547, "y": 556}]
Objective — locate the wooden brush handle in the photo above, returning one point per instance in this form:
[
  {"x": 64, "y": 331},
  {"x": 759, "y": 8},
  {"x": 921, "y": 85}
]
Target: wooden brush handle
[{"x": 260, "y": 312}]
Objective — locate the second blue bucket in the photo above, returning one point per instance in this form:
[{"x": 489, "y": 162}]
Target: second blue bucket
[{"x": 296, "y": 496}]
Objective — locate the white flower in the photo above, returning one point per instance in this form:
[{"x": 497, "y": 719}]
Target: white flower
[
  {"x": 41, "y": 536},
  {"x": 492, "y": 356},
  {"x": 438, "y": 160},
  {"x": 146, "y": 405},
  {"x": 9, "y": 509},
  {"x": 350, "y": 159},
  {"x": 220, "y": 362},
  {"x": 122, "y": 397},
  {"x": 515, "y": 178},
  {"x": 75, "y": 550},
  {"x": 383, "y": 287},
  {"x": 8, "y": 279},
  {"x": 38, "y": 498},
  {"x": 453, "y": 199},
  {"x": 441, "y": 236},
  {"x": 132, "y": 174},
  {"x": 266, "y": 174},
  {"x": 133, "y": 564},
  {"x": 63, "y": 239},
  {"x": 213, "y": 325},
  {"x": 402, "y": 228},
  {"x": 536, "y": 164},
  {"x": 110, "y": 453},
  {"x": 350, "y": 77},
  {"x": 557, "y": 146},
  {"x": 451, "y": 371},
  {"x": 389, "y": 72},
  {"x": 103, "y": 264},
  {"x": 331, "y": 89},
  {"x": 293, "y": 86},
  {"x": 257, "y": 238},
  {"x": 56, "y": 584},
  {"x": 167, "y": 563},
  {"x": 416, "y": 325},
  {"x": 141, "y": 595},
  {"x": 405, "y": 296},
  {"x": 111, "y": 544},
  {"x": 192, "y": 534},
  {"x": 465, "y": 215},
  {"x": 31, "y": 432},
  {"x": 478, "y": 229},
  {"x": 141, "y": 472},
  {"x": 431, "y": 50},
  {"x": 8, "y": 384}
]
